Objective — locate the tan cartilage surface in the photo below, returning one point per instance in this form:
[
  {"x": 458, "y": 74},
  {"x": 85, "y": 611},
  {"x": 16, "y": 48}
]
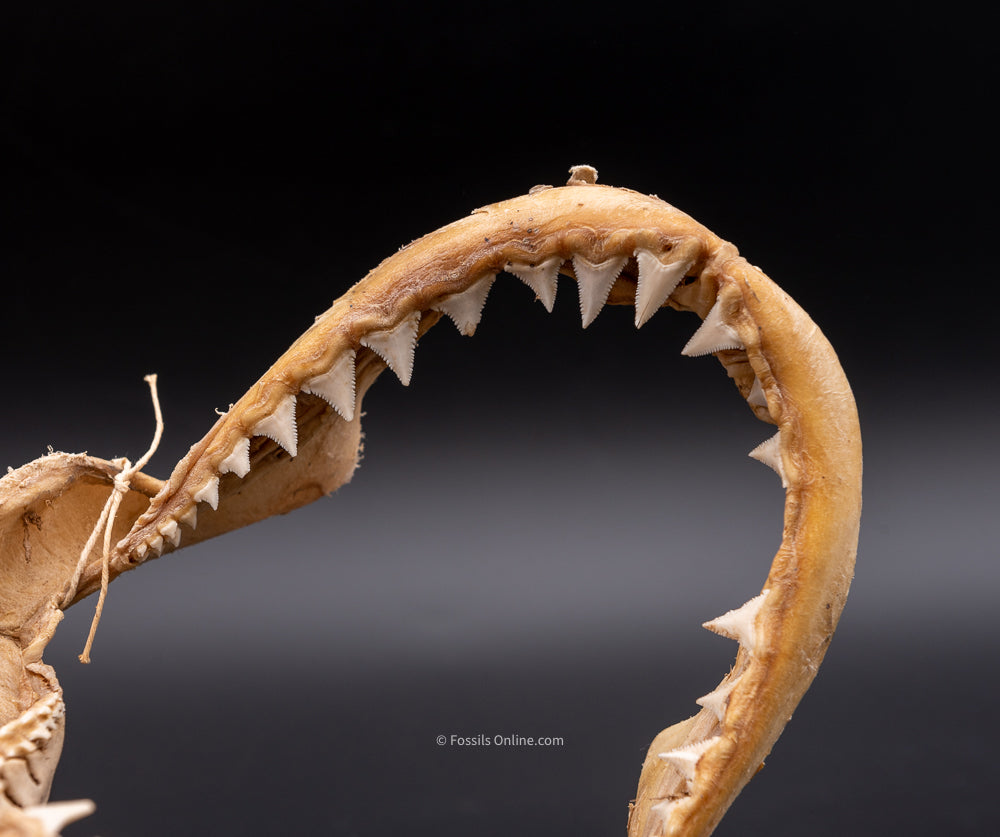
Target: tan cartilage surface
[{"x": 295, "y": 436}]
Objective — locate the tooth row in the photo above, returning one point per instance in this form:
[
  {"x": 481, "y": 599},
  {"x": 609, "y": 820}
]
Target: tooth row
[
  {"x": 396, "y": 346},
  {"x": 36, "y": 724},
  {"x": 657, "y": 280}
]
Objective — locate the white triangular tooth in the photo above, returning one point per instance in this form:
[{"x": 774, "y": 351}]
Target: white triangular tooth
[
  {"x": 189, "y": 517},
  {"x": 336, "y": 387},
  {"x": 769, "y": 452},
  {"x": 141, "y": 550},
  {"x": 156, "y": 543},
  {"x": 756, "y": 397},
  {"x": 718, "y": 699},
  {"x": 594, "y": 282},
  {"x": 466, "y": 308},
  {"x": 208, "y": 493},
  {"x": 664, "y": 810},
  {"x": 396, "y": 346},
  {"x": 238, "y": 462},
  {"x": 738, "y": 624},
  {"x": 656, "y": 282},
  {"x": 713, "y": 335},
  {"x": 686, "y": 758},
  {"x": 170, "y": 531},
  {"x": 280, "y": 426},
  {"x": 54, "y": 816},
  {"x": 542, "y": 278}
]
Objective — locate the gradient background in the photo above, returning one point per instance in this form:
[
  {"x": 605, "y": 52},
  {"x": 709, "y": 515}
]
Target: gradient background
[{"x": 545, "y": 517}]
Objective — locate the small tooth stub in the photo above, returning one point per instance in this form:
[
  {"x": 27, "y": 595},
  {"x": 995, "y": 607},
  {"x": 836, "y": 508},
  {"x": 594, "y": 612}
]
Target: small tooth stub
[
  {"x": 769, "y": 452},
  {"x": 140, "y": 551},
  {"x": 208, "y": 493},
  {"x": 656, "y": 282},
  {"x": 686, "y": 759},
  {"x": 397, "y": 346},
  {"x": 170, "y": 531},
  {"x": 756, "y": 397},
  {"x": 466, "y": 308},
  {"x": 238, "y": 462},
  {"x": 542, "y": 278},
  {"x": 713, "y": 335},
  {"x": 280, "y": 426},
  {"x": 664, "y": 809},
  {"x": 156, "y": 543},
  {"x": 718, "y": 699},
  {"x": 739, "y": 624},
  {"x": 54, "y": 816},
  {"x": 189, "y": 517},
  {"x": 337, "y": 386},
  {"x": 594, "y": 282}
]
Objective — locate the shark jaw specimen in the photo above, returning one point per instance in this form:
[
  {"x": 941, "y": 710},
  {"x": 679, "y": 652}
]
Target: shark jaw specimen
[{"x": 295, "y": 436}]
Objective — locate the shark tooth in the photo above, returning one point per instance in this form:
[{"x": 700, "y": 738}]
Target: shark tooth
[
  {"x": 396, "y": 346},
  {"x": 170, "y": 531},
  {"x": 466, "y": 308},
  {"x": 738, "y": 624},
  {"x": 718, "y": 699},
  {"x": 713, "y": 335},
  {"x": 238, "y": 462},
  {"x": 656, "y": 282},
  {"x": 280, "y": 426},
  {"x": 756, "y": 397},
  {"x": 686, "y": 758},
  {"x": 189, "y": 517},
  {"x": 542, "y": 278},
  {"x": 769, "y": 452},
  {"x": 336, "y": 387},
  {"x": 54, "y": 816},
  {"x": 208, "y": 493},
  {"x": 594, "y": 282}
]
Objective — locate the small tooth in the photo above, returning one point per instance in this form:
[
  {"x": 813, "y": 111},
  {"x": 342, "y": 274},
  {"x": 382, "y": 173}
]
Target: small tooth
[
  {"x": 656, "y": 282},
  {"x": 769, "y": 452},
  {"x": 141, "y": 550},
  {"x": 208, "y": 493},
  {"x": 238, "y": 462},
  {"x": 466, "y": 308},
  {"x": 686, "y": 759},
  {"x": 54, "y": 816},
  {"x": 664, "y": 809},
  {"x": 280, "y": 426},
  {"x": 712, "y": 336},
  {"x": 718, "y": 699},
  {"x": 190, "y": 517},
  {"x": 170, "y": 531},
  {"x": 397, "y": 346},
  {"x": 156, "y": 543},
  {"x": 542, "y": 278},
  {"x": 756, "y": 397},
  {"x": 594, "y": 282},
  {"x": 739, "y": 624},
  {"x": 336, "y": 387}
]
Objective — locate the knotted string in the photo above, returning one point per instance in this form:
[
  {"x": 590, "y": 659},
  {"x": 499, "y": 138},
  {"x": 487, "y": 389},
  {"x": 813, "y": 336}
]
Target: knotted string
[{"x": 107, "y": 521}]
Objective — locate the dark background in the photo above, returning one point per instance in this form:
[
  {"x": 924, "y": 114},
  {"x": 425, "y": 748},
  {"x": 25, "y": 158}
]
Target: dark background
[{"x": 545, "y": 517}]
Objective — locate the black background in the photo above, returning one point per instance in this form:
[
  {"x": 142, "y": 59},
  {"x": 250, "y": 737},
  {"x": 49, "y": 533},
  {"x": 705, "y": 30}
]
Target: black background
[{"x": 544, "y": 518}]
